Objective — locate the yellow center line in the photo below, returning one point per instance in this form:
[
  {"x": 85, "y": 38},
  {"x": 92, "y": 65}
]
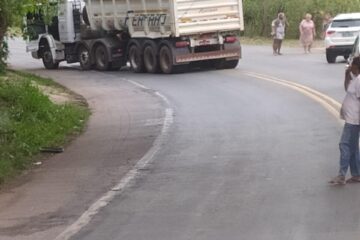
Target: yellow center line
[{"x": 327, "y": 102}]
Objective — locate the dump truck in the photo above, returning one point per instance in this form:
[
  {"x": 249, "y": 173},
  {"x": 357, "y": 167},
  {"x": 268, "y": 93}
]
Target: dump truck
[{"x": 151, "y": 35}]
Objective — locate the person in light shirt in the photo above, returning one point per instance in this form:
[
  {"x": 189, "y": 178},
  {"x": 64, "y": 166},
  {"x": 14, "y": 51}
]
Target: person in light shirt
[
  {"x": 350, "y": 112},
  {"x": 278, "y": 32}
]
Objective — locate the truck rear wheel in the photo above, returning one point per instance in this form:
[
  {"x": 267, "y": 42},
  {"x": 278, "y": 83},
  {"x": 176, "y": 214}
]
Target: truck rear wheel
[
  {"x": 102, "y": 58},
  {"x": 166, "y": 60},
  {"x": 85, "y": 58},
  {"x": 135, "y": 58},
  {"x": 48, "y": 60},
  {"x": 151, "y": 62},
  {"x": 223, "y": 64}
]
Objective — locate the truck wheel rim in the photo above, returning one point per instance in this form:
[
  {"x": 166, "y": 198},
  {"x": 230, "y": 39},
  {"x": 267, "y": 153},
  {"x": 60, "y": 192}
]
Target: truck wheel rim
[
  {"x": 165, "y": 60},
  {"x": 48, "y": 57},
  {"x": 134, "y": 58},
  {"x": 84, "y": 56},
  {"x": 100, "y": 54},
  {"x": 149, "y": 58}
]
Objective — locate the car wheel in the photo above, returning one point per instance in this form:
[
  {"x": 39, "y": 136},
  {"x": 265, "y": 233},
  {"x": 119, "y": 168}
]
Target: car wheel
[{"x": 330, "y": 58}]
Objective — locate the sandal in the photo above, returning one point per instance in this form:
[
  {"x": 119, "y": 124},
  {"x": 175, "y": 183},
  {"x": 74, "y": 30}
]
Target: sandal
[
  {"x": 353, "y": 180},
  {"x": 339, "y": 180}
]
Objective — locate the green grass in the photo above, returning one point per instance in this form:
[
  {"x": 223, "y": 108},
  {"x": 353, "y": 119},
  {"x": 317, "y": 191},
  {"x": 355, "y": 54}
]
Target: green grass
[
  {"x": 29, "y": 121},
  {"x": 286, "y": 43}
]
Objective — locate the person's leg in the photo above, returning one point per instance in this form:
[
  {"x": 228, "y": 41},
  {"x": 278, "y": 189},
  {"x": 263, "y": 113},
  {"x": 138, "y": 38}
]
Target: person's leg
[
  {"x": 355, "y": 160},
  {"x": 279, "y": 46},
  {"x": 309, "y": 48},
  {"x": 345, "y": 155},
  {"x": 345, "y": 148},
  {"x": 275, "y": 46},
  {"x": 305, "y": 48}
]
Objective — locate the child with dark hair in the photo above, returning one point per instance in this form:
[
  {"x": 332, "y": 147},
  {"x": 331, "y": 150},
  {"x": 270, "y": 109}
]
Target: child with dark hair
[
  {"x": 278, "y": 32},
  {"x": 350, "y": 112}
]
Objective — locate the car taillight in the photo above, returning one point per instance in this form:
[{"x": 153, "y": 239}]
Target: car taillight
[
  {"x": 182, "y": 44},
  {"x": 330, "y": 33},
  {"x": 230, "y": 39}
]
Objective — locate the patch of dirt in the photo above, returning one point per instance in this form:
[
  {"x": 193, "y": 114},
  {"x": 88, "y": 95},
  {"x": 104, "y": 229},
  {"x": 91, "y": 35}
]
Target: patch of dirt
[
  {"x": 56, "y": 95},
  {"x": 60, "y": 95}
]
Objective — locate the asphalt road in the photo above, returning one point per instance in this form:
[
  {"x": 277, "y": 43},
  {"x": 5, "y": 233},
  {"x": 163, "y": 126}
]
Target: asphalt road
[{"x": 243, "y": 159}]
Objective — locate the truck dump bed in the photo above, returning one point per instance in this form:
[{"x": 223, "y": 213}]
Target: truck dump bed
[{"x": 165, "y": 18}]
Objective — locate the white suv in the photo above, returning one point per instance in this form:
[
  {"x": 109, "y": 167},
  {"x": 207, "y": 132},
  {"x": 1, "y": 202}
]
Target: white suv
[{"x": 341, "y": 35}]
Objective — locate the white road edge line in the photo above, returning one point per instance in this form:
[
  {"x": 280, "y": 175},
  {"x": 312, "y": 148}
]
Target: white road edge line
[{"x": 106, "y": 199}]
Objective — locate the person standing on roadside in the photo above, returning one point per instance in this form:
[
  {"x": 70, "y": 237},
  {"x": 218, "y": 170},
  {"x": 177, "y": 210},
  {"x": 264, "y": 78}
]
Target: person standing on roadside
[
  {"x": 278, "y": 32},
  {"x": 307, "y": 32},
  {"x": 350, "y": 112},
  {"x": 326, "y": 24}
]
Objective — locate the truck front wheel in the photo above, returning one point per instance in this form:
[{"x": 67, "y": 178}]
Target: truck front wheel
[
  {"x": 48, "y": 60},
  {"x": 135, "y": 58},
  {"x": 102, "y": 58},
  {"x": 84, "y": 58}
]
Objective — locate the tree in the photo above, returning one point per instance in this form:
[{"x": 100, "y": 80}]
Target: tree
[
  {"x": 9, "y": 9},
  {"x": 11, "y": 13}
]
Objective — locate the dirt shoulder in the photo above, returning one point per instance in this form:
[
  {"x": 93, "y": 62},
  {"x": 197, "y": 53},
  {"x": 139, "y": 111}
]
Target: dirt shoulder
[{"x": 123, "y": 126}]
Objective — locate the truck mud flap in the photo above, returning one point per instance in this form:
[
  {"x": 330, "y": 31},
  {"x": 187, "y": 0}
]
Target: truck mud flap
[{"x": 192, "y": 57}]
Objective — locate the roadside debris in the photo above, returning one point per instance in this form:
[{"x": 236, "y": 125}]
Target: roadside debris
[{"x": 52, "y": 149}]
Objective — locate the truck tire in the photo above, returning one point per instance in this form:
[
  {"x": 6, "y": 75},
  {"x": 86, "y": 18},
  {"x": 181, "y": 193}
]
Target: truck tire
[
  {"x": 135, "y": 59},
  {"x": 84, "y": 56},
  {"x": 115, "y": 66},
  {"x": 102, "y": 58},
  {"x": 151, "y": 62},
  {"x": 223, "y": 64},
  {"x": 48, "y": 60},
  {"x": 330, "y": 58},
  {"x": 166, "y": 60}
]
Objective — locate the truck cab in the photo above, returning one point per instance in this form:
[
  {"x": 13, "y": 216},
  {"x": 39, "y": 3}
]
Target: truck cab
[{"x": 69, "y": 38}]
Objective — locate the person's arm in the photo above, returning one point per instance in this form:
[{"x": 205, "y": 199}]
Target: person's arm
[
  {"x": 300, "y": 28},
  {"x": 347, "y": 78},
  {"x": 314, "y": 30},
  {"x": 273, "y": 28}
]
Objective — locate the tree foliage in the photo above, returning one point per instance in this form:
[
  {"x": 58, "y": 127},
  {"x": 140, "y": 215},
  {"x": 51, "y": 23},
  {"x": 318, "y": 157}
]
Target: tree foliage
[
  {"x": 11, "y": 14},
  {"x": 260, "y": 13}
]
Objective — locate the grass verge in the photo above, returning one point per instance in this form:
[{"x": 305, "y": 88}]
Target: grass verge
[
  {"x": 29, "y": 120},
  {"x": 286, "y": 42}
]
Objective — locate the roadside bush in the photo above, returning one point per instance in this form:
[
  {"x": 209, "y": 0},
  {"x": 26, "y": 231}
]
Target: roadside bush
[
  {"x": 259, "y": 14},
  {"x": 4, "y": 52},
  {"x": 29, "y": 121}
]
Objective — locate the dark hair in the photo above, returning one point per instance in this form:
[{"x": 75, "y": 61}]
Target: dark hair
[{"x": 356, "y": 62}]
